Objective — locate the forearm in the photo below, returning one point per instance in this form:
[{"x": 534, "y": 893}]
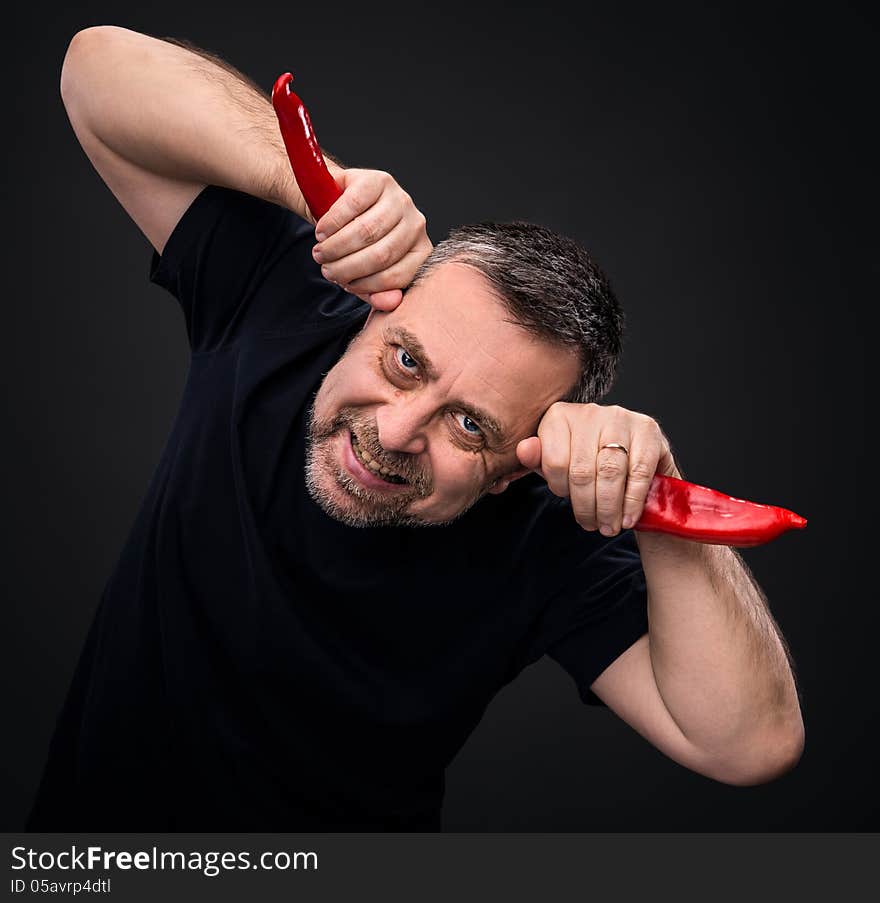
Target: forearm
[
  {"x": 718, "y": 658},
  {"x": 177, "y": 113}
]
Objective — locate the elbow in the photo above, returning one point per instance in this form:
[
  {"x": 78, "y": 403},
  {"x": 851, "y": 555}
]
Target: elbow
[
  {"x": 763, "y": 760},
  {"x": 81, "y": 44},
  {"x": 68, "y": 66}
]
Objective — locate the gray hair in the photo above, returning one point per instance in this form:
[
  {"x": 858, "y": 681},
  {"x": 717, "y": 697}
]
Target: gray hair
[{"x": 550, "y": 286}]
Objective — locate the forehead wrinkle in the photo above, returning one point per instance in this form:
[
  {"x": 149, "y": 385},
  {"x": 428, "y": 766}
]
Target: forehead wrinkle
[
  {"x": 504, "y": 437},
  {"x": 505, "y": 440}
]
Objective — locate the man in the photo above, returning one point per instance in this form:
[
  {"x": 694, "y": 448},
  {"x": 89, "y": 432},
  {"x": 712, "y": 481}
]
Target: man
[{"x": 372, "y": 514}]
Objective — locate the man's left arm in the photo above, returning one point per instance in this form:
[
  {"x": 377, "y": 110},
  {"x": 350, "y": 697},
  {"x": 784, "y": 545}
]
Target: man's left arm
[{"x": 711, "y": 685}]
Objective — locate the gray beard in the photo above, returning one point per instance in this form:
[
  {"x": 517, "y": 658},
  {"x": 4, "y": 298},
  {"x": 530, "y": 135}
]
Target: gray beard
[{"x": 375, "y": 516}]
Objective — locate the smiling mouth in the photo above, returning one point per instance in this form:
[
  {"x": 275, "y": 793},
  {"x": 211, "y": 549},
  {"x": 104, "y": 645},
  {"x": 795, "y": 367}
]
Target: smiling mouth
[{"x": 379, "y": 470}]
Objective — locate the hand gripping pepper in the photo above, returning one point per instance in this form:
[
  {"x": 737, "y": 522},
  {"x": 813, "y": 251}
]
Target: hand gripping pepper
[
  {"x": 705, "y": 515},
  {"x": 672, "y": 506},
  {"x": 309, "y": 169}
]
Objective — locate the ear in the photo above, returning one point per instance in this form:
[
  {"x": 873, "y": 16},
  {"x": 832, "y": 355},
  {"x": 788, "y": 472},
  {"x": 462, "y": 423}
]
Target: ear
[{"x": 503, "y": 482}]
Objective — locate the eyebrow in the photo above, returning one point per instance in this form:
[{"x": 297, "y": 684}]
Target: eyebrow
[{"x": 397, "y": 335}]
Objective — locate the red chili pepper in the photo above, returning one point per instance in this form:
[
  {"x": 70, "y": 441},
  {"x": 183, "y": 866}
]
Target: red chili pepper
[
  {"x": 705, "y": 515},
  {"x": 309, "y": 169}
]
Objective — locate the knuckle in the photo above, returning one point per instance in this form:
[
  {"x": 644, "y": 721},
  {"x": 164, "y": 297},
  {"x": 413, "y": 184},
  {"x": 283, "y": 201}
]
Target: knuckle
[
  {"x": 367, "y": 229},
  {"x": 356, "y": 201},
  {"x": 610, "y": 468},
  {"x": 650, "y": 425},
  {"x": 384, "y": 256},
  {"x": 382, "y": 181},
  {"x": 581, "y": 474},
  {"x": 554, "y": 412},
  {"x": 641, "y": 470},
  {"x": 367, "y": 196}
]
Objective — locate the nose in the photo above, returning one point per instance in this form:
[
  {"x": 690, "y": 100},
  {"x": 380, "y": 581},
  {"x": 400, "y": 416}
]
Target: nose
[{"x": 402, "y": 425}]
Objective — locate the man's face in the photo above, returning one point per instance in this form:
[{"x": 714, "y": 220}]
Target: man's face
[{"x": 422, "y": 414}]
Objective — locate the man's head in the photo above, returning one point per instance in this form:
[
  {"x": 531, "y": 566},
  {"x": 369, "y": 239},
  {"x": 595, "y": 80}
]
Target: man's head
[{"x": 422, "y": 414}]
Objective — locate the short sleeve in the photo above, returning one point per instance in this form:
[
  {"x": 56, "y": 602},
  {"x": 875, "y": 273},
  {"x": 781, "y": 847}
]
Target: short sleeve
[
  {"x": 239, "y": 265},
  {"x": 599, "y": 613}
]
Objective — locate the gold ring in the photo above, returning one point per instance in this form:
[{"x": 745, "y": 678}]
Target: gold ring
[{"x": 623, "y": 448}]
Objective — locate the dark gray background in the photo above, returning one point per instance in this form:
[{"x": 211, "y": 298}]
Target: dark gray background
[{"x": 715, "y": 161}]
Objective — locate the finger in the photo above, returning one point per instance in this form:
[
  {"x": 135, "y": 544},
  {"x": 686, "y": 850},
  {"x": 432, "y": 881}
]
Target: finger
[
  {"x": 643, "y": 458},
  {"x": 397, "y": 276},
  {"x": 582, "y": 475},
  {"x": 528, "y": 452},
  {"x": 555, "y": 436},
  {"x": 371, "y": 259},
  {"x": 361, "y": 232},
  {"x": 359, "y": 193},
  {"x": 612, "y": 466}
]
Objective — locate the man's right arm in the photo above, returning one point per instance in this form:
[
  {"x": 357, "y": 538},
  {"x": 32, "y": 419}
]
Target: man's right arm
[{"x": 159, "y": 122}]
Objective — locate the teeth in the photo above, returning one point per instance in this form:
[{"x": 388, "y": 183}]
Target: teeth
[{"x": 368, "y": 461}]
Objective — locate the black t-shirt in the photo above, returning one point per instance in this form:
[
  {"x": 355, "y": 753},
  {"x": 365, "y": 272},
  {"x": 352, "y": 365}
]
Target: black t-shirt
[{"x": 255, "y": 665}]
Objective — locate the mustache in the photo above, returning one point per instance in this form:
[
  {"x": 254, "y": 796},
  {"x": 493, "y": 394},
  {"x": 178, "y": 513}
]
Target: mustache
[{"x": 364, "y": 428}]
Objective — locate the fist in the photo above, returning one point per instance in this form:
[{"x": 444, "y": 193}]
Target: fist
[
  {"x": 373, "y": 239},
  {"x": 578, "y": 452}
]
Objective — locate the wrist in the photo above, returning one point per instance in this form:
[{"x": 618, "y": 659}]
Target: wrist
[{"x": 283, "y": 190}]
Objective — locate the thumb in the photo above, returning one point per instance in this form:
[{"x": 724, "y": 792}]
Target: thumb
[
  {"x": 386, "y": 300},
  {"x": 529, "y": 453}
]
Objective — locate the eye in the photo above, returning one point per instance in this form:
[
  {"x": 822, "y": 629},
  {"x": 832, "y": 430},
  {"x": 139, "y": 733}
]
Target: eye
[
  {"x": 404, "y": 360},
  {"x": 468, "y": 425}
]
